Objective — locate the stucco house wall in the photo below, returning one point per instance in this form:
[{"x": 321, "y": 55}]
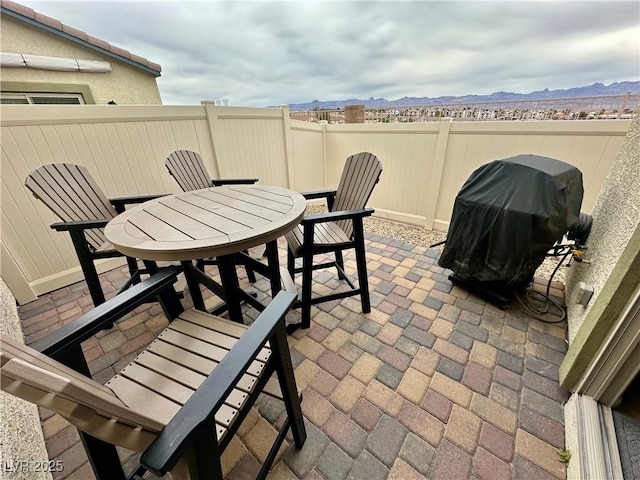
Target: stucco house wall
[
  {"x": 613, "y": 248},
  {"x": 125, "y": 84}
]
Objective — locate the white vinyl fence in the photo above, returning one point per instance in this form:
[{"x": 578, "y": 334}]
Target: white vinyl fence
[{"x": 124, "y": 147}]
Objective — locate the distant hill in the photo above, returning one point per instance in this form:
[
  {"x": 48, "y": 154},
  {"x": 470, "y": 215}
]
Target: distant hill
[{"x": 597, "y": 89}]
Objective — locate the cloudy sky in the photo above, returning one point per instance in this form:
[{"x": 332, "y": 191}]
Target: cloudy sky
[{"x": 261, "y": 53}]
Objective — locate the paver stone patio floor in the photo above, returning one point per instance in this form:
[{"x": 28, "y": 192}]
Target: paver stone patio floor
[{"x": 433, "y": 383}]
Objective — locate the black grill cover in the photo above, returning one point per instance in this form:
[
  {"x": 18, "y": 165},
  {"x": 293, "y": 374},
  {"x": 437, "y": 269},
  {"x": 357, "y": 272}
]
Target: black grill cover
[{"x": 506, "y": 217}]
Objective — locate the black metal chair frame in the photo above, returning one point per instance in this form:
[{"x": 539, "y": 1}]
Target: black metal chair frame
[
  {"x": 339, "y": 229},
  {"x": 308, "y": 250},
  {"x": 87, "y": 256},
  {"x": 72, "y": 194},
  {"x": 192, "y": 430}
]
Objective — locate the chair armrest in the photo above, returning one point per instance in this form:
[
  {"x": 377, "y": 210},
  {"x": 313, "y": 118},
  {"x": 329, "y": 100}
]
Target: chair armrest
[
  {"x": 233, "y": 181},
  {"x": 319, "y": 194},
  {"x": 163, "y": 453},
  {"x": 80, "y": 225},
  {"x": 335, "y": 216},
  {"x": 120, "y": 202},
  {"x": 85, "y": 326}
]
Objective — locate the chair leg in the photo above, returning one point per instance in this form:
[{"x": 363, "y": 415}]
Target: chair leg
[
  {"x": 291, "y": 263},
  {"x": 288, "y": 387},
  {"x": 134, "y": 270},
  {"x": 251, "y": 274},
  {"x": 271, "y": 252},
  {"x": 361, "y": 262},
  {"x": 307, "y": 271},
  {"x": 203, "y": 457},
  {"x": 340, "y": 263},
  {"x": 87, "y": 266},
  {"x": 103, "y": 458},
  {"x": 193, "y": 284},
  {"x": 200, "y": 264}
]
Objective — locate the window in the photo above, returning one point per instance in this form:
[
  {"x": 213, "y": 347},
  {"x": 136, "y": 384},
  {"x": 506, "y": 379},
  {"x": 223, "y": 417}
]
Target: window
[{"x": 41, "y": 98}]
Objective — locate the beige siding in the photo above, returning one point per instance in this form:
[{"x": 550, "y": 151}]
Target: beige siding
[
  {"x": 307, "y": 163},
  {"x": 124, "y": 147},
  {"x": 125, "y": 84},
  {"x": 250, "y": 142},
  {"x": 407, "y": 153},
  {"x": 125, "y": 155},
  {"x": 590, "y": 146}
]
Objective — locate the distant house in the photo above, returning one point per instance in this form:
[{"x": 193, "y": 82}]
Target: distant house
[{"x": 46, "y": 61}]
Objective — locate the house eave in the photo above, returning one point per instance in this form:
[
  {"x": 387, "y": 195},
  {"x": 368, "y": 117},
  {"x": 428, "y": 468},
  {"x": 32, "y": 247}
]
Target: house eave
[{"x": 79, "y": 41}]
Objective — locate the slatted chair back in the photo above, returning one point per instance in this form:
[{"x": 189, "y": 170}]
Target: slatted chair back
[
  {"x": 360, "y": 174},
  {"x": 86, "y": 404},
  {"x": 188, "y": 169},
  {"x": 72, "y": 194}
]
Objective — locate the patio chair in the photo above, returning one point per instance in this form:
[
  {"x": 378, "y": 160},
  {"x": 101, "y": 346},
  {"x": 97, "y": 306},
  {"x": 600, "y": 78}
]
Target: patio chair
[
  {"x": 181, "y": 400},
  {"x": 72, "y": 194},
  {"x": 187, "y": 168},
  {"x": 189, "y": 171},
  {"x": 339, "y": 229}
]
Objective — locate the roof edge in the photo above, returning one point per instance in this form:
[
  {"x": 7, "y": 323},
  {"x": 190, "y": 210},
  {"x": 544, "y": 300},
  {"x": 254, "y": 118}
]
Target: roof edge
[{"x": 56, "y": 27}]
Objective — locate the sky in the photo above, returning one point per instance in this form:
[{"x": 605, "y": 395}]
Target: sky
[{"x": 267, "y": 53}]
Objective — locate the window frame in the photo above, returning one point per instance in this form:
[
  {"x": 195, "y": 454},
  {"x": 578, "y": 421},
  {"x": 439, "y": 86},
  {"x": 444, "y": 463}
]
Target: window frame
[
  {"x": 29, "y": 97},
  {"x": 19, "y": 88}
]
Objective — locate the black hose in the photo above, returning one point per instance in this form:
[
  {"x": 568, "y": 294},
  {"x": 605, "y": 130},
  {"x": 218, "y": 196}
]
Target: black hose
[
  {"x": 545, "y": 299},
  {"x": 438, "y": 244}
]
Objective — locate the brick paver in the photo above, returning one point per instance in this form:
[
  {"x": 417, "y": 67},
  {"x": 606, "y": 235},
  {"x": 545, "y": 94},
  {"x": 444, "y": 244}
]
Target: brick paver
[
  {"x": 417, "y": 453},
  {"x": 495, "y": 414},
  {"x": 324, "y": 384},
  {"x": 366, "y": 414},
  {"x": 432, "y": 383},
  {"x": 477, "y": 378},
  {"x": 347, "y": 434},
  {"x": 497, "y": 442},
  {"x": 413, "y": 385},
  {"x": 420, "y": 422},
  {"x": 489, "y": 467},
  {"x": 483, "y": 354},
  {"x": 403, "y": 471},
  {"x": 539, "y": 453},
  {"x": 334, "y": 462},
  {"x": 451, "y": 463},
  {"x": 454, "y": 391},
  {"x": 347, "y": 393},
  {"x": 386, "y": 440},
  {"x": 463, "y": 429},
  {"x": 316, "y": 408}
]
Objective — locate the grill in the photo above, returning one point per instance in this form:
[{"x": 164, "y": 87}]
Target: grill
[{"x": 506, "y": 217}]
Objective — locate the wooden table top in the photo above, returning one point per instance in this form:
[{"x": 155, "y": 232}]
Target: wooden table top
[{"x": 206, "y": 223}]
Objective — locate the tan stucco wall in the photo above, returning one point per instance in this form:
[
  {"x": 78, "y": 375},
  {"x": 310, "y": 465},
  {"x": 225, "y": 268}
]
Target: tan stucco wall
[
  {"x": 21, "y": 437},
  {"x": 125, "y": 84},
  {"x": 613, "y": 248}
]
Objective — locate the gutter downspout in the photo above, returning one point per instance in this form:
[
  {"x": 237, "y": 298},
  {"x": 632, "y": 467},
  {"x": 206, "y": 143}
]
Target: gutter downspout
[{"x": 57, "y": 64}]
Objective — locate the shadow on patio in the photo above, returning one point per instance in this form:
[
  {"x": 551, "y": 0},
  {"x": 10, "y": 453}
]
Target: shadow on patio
[{"x": 433, "y": 383}]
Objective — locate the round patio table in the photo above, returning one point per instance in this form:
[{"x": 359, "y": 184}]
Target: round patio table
[{"x": 217, "y": 222}]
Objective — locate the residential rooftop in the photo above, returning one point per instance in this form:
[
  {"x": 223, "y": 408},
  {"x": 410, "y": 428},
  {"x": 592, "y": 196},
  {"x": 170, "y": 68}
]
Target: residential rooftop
[{"x": 58, "y": 28}]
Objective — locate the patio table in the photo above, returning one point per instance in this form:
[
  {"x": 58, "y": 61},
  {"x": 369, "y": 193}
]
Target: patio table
[{"x": 219, "y": 222}]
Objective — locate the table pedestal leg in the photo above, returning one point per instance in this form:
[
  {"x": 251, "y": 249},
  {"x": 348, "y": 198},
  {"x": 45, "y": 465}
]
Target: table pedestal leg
[
  {"x": 271, "y": 252},
  {"x": 169, "y": 300},
  {"x": 229, "y": 277}
]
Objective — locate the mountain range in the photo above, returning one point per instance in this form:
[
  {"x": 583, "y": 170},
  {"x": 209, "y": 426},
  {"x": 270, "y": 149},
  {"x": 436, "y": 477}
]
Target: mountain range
[{"x": 597, "y": 89}]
